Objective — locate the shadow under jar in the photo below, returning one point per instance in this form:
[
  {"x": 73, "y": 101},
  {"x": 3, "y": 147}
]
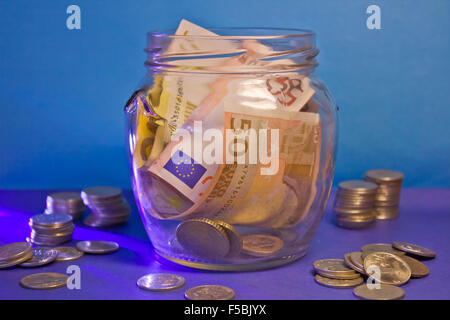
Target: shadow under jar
[{"x": 231, "y": 142}]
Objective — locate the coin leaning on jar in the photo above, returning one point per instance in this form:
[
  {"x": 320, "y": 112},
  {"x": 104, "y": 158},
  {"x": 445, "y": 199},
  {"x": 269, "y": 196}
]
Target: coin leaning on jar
[{"x": 203, "y": 237}]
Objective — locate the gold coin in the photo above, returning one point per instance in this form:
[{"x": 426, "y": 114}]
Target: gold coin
[
  {"x": 233, "y": 236},
  {"x": 210, "y": 292},
  {"x": 261, "y": 245},
  {"x": 357, "y": 259},
  {"x": 203, "y": 237},
  {"x": 379, "y": 247},
  {"x": 334, "y": 266},
  {"x": 385, "y": 292},
  {"x": 13, "y": 251},
  {"x": 392, "y": 269},
  {"x": 27, "y": 256},
  {"x": 414, "y": 249},
  {"x": 349, "y": 263},
  {"x": 41, "y": 281},
  {"x": 418, "y": 269},
  {"x": 337, "y": 283},
  {"x": 339, "y": 276},
  {"x": 68, "y": 253}
]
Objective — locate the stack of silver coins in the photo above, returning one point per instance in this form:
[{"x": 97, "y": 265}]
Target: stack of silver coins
[
  {"x": 15, "y": 253},
  {"x": 51, "y": 229},
  {"x": 354, "y": 204},
  {"x": 107, "y": 205},
  {"x": 388, "y": 194},
  {"x": 65, "y": 202}
]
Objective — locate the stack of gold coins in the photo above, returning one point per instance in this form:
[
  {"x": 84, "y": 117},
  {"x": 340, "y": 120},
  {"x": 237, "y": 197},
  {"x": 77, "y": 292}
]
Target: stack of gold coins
[
  {"x": 334, "y": 273},
  {"x": 388, "y": 194},
  {"x": 354, "y": 204}
]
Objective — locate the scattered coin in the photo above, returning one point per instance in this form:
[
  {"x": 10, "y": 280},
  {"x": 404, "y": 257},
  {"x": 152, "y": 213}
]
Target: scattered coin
[
  {"x": 379, "y": 247},
  {"x": 68, "y": 253},
  {"x": 338, "y": 283},
  {"x": 97, "y": 247},
  {"x": 261, "y": 245},
  {"x": 160, "y": 282},
  {"x": 234, "y": 238},
  {"x": 13, "y": 251},
  {"x": 46, "y": 280},
  {"x": 354, "y": 275},
  {"x": 393, "y": 270},
  {"x": 203, "y": 237},
  {"x": 414, "y": 249},
  {"x": 357, "y": 259},
  {"x": 41, "y": 256},
  {"x": 385, "y": 292},
  {"x": 349, "y": 263},
  {"x": 209, "y": 292},
  {"x": 334, "y": 266},
  {"x": 418, "y": 269}
]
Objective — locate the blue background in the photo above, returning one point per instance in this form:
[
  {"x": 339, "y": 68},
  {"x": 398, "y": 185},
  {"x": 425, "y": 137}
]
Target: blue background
[{"x": 62, "y": 91}]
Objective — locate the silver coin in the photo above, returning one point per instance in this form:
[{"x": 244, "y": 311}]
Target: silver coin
[
  {"x": 97, "y": 247},
  {"x": 160, "y": 282},
  {"x": 414, "y": 249},
  {"x": 41, "y": 256},
  {"x": 68, "y": 253},
  {"x": 51, "y": 220},
  {"x": 210, "y": 292}
]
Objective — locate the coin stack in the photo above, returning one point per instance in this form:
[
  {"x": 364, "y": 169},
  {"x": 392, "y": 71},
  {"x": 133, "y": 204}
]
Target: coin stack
[
  {"x": 354, "y": 204},
  {"x": 334, "y": 273},
  {"x": 107, "y": 205},
  {"x": 65, "y": 202},
  {"x": 51, "y": 229},
  {"x": 388, "y": 194}
]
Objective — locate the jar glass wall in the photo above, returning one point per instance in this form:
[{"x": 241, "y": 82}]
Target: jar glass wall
[{"x": 231, "y": 146}]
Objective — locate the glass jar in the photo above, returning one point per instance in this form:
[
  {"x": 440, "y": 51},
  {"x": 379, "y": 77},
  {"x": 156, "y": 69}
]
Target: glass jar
[{"x": 231, "y": 146}]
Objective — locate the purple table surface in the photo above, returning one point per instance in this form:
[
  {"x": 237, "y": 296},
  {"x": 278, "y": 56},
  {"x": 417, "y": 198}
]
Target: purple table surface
[{"x": 424, "y": 219}]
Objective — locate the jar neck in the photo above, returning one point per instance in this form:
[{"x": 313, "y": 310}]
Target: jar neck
[{"x": 233, "y": 54}]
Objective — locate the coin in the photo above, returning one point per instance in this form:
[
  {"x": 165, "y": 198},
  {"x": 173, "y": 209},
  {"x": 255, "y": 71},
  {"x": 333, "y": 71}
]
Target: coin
[
  {"x": 358, "y": 186},
  {"x": 335, "y": 266},
  {"x": 414, "y": 249},
  {"x": 392, "y": 269},
  {"x": 261, "y": 245},
  {"x": 354, "y": 275},
  {"x": 101, "y": 193},
  {"x": 68, "y": 253},
  {"x": 385, "y": 292},
  {"x": 48, "y": 280},
  {"x": 203, "y": 237},
  {"x": 98, "y": 247},
  {"x": 23, "y": 258},
  {"x": 210, "y": 292},
  {"x": 379, "y": 247},
  {"x": 41, "y": 256},
  {"x": 337, "y": 283},
  {"x": 54, "y": 220},
  {"x": 418, "y": 269},
  {"x": 234, "y": 238},
  {"x": 13, "y": 251},
  {"x": 349, "y": 263},
  {"x": 382, "y": 175},
  {"x": 160, "y": 282},
  {"x": 357, "y": 259}
]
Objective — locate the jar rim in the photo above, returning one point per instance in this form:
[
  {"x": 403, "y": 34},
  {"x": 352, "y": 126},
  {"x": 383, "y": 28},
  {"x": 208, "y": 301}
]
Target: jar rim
[{"x": 245, "y": 33}]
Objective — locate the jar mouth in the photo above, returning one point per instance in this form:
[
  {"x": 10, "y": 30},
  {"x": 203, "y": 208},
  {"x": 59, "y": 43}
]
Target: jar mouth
[
  {"x": 232, "y": 50},
  {"x": 238, "y": 33}
]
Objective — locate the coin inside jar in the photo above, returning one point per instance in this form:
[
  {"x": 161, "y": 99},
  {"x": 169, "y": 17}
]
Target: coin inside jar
[
  {"x": 233, "y": 236},
  {"x": 261, "y": 245},
  {"x": 203, "y": 237}
]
